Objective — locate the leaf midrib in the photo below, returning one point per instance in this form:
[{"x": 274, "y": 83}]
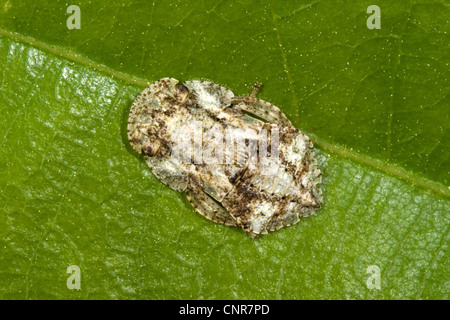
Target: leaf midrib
[{"x": 341, "y": 151}]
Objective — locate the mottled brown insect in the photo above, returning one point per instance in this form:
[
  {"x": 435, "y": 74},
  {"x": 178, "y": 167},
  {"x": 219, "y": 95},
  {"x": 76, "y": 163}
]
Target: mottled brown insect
[{"x": 266, "y": 182}]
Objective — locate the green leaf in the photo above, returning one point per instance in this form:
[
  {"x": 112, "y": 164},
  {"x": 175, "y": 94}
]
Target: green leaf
[{"x": 73, "y": 192}]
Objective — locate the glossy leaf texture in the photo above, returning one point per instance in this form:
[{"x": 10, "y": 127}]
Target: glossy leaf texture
[{"x": 73, "y": 192}]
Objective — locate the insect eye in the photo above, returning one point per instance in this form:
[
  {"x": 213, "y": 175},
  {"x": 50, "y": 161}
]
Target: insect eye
[
  {"x": 152, "y": 148},
  {"x": 182, "y": 93}
]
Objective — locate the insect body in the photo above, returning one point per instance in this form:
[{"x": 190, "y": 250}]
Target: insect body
[{"x": 239, "y": 160}]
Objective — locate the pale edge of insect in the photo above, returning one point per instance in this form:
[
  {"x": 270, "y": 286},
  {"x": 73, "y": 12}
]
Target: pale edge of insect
[{"x": 232, "y": 194}]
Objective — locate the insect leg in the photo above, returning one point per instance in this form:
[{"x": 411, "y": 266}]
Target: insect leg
[{"x": 255, "y": 89}]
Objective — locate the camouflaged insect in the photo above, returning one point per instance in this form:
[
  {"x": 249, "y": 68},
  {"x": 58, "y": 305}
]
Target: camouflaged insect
[{"x": 234, "y": 193}]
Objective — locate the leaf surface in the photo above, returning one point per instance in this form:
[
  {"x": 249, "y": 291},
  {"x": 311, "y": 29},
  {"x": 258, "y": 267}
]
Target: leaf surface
[{"x": 73, "y": 192}]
